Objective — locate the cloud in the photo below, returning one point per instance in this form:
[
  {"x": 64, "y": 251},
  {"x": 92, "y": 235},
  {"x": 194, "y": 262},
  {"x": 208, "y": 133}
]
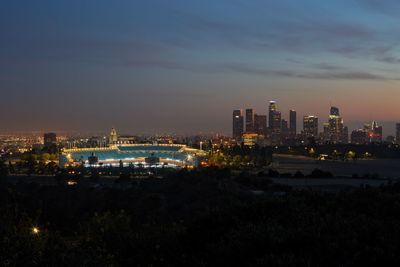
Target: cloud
[
  {"x": 328, "y": 71},
  {"x": 326, "y": 75},
  {"x": 389, "y": 59},
  {"x": 326, "y": 66},
  {"x": 386, "y": 7}
]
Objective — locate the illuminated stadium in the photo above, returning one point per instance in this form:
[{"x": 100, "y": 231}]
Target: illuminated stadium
[{"x": 145, "y": 154}]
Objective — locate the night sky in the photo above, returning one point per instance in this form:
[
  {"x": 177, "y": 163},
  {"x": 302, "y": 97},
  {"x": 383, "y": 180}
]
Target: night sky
[{"x": 183, "y": 66}]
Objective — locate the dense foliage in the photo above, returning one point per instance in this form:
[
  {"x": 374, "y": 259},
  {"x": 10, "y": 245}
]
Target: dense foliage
[{"x": 197, "y": 219}]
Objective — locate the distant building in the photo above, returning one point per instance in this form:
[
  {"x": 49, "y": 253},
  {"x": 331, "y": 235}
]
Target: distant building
[
  {"x": 275, "y": 123},
  {"x": 345, "y": 135},
  {"x": 375, "y": 133},
  {"x": 325, "y": 133},
  {"x": 250, "y": 120},
  {"x": 310, "y": 126},
  {"x": 335, "y": 111},
  {"x": 336, "y": 128},
  {"x": 390, "y": 139},
  {"x": 50, "y": 139},
  {"x": 250, "y": 139},
  {"x": 398, "y": 133},
  {"x": 97, "y": 141},
  {"x": 237, "y": 124},
  {"x": 271, "y": 110},
  {"x": 285, "y": 129},
  {"x": 359, "y": 137},
  {"x": 126, "y": 139},
  {"x": 113, "y": 138},
  {"x": 293, "y": 122},
  {"x": 260, "y": 124}
]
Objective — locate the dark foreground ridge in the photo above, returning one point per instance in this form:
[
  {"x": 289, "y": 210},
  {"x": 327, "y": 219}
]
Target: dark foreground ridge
[{"x": 197, "y": 218}]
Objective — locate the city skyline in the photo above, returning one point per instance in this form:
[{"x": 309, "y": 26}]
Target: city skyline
[{"x": 157, "y": 67}]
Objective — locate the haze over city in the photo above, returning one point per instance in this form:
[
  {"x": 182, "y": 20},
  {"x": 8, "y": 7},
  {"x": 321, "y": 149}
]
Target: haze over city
[{"x": 183, "y": 66}]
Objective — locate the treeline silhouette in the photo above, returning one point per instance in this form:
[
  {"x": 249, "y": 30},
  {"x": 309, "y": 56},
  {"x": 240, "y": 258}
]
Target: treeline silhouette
[{"x": 197, "y": 218}]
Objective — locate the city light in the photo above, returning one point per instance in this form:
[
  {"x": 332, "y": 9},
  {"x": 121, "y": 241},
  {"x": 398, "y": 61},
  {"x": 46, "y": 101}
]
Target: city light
[
  {"x": 35, "y": 230},
  {"x": 71, "y": 183}
]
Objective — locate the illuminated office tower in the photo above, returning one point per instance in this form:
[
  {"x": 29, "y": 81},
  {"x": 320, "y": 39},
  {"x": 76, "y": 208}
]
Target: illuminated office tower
[
  {"x": 275, "y": 123},
  {"x": 310, "y": 126},
  {"x": 336, "y": 128},
  {"x": 237, "y": 124},
  {"x": 250, "y": 120},
  {"x": 271, "y": 110},
  {"x": 375, "y": 133}
]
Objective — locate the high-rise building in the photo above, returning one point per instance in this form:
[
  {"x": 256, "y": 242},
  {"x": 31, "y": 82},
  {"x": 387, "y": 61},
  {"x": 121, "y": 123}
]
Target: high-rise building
[
  {"x": 345, "y": 135},
  {"x": 336, "y": 127},
  {"x": 250, "y": 120},
  {"x": 374, "y": 132},
  {"x": 271, "y": 109},
  {"x": 310, "y": 126},
  {"x": 335, "y": 111},
  {"x": 325, "y": 134},
  {"x": 398, "y": 133},
  {"x": 275, "y": 123},
  {"x": 113, "y": 138},
  {"x": 260, "y": 124},
  {"x": 359, "y": 137},
  {"x": 293, "y": 122},
  {"x": 237, "y": 124},
  {"x": 50, "y": 139},
  {"x": 285, "y": 131}
]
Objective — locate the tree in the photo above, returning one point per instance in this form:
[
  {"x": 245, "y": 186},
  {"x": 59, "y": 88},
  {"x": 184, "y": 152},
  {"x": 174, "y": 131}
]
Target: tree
[
  {"x": 3, "y": 169},
  {"x": 31, "y": 164},
  {"x": 11, "y": 167}
]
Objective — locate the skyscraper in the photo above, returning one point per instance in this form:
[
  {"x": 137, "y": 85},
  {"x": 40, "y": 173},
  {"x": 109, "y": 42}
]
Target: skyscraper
[
  {"x": 376, "y": 133},
  {"x": 271, "y": 109},
  {"x": 285, "y": 132},
  {"x": 345, "y": 135},
  {"x": 237, "y": 124},
  {"x": 336, "y": 127},
  {"x": 250, "y": 120},
  {"x": 260, "y": 124},
  {"x": 50, "y": 139},
  {"x": 325, "y": 134},
  {"x": 293, "y": 122},
  {"x": 274, "y": 123},
  {"x": 359, "y": 137},
  {"x": 335, "y": 111},
  {"x": 398, "y": 133},
  {"x": 310, "y": 126}
]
